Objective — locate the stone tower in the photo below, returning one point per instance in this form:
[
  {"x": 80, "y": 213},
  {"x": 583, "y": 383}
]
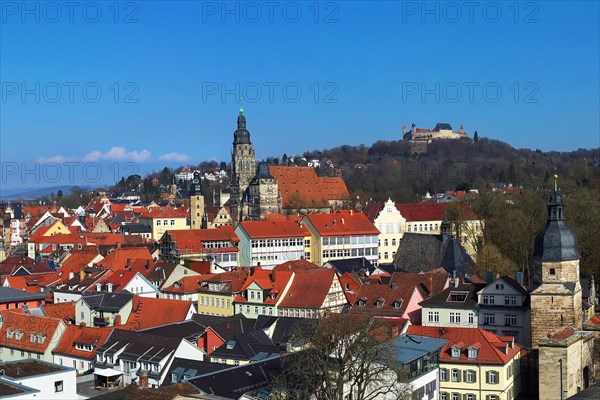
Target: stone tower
[
  {"x": 243, "y": 164},
  {"x": 263, "y": 194},
  {"x": 196, "y": 203},
  {"x": 556, "y": 302}
]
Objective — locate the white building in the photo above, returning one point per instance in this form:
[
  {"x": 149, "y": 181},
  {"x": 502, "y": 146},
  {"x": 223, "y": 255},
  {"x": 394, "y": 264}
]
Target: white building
[{"x": 35, "y": 379}]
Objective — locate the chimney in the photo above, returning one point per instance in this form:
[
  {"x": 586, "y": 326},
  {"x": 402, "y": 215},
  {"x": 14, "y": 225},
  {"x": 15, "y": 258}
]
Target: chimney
[
  {"x": 456, "y": 282},
  {"x": 117, "y": 320},
  {"x": 98, "y": 287},
  {"x": 251, "y": 271},
  {"x": 144, "y": 379},
  {"x": 147, "y": 265},
  {"x": 71, "y": 274},
  {"x": 273, "y": 275},
  {"x": 118, "y": 245},
  {"x": 81, "y": 274},
  {"x": 129, "y": 263},
  {"x": 82, "y": 325},
  {"x": 489, "y": 277},
  {"x": 109, "y": 287}
]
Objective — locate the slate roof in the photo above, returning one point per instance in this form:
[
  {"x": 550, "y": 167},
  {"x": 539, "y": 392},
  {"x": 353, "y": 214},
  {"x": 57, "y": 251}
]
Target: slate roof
[
  {"x": 410, "y": 347},
  {"x": 139, "y": 345},
  {"x": 110, "y": 302},
  {"x": 232, "y": 382},
  {"x": 422, "y": 252},
  {"x": 443, "y": 299},
  {"x": 254, "y": 345},
  {"x": 556, "y": 242},
  {"x": 9, "y": 295},
  {"x": 349, "y": 265},
  {"x": 226, "y": 327},
  {"x": 182, "y": 366},
  {"x": 300, "y": 330}
]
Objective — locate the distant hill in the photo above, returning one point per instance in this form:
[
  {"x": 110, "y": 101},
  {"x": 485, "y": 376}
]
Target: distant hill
[
  {"x": 389, "y": 169},
  {"x": 32, "y": 193}
]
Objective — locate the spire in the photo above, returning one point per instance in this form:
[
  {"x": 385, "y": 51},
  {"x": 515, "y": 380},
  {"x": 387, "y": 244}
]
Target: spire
[{"x": 555, "y": 179}]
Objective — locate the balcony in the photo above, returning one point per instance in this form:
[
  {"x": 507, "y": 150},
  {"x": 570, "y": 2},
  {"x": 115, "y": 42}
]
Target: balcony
[{"x": 100, "y": 322}]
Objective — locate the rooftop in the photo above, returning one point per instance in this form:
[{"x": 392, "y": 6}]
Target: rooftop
[{"x": 26, "y": 368}]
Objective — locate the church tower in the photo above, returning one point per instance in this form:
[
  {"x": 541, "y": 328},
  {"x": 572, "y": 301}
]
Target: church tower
[
  {"x": 556, "y": 302},
  {"x": 196, "y": 202},
  {"x": 243, "y": 163}
]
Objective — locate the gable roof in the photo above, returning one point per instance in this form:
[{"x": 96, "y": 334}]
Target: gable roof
[
  {"x": 383, "y": 300},
  {"x": 81, "y": 334},
  {"x": 110, "y": 302},
  {"x": 149, "y": 312},
  {"x": 491, "y": 351},
  {"x": 309, "y": 288},
  {"x": 28, "y": 324},
  {"x": 271, "y": 281},
  {"x": 10, "y": 295},
  {"x": 443, "y": 299},
  {"x": 430, "y": 282},
  {"x": 226, "y": 327},
  {"x": 300, "y": 187},
  {"x": 342, "y": 223},
  {"x": 271, "y": 229},
  {"x": 64, "y": 310}
]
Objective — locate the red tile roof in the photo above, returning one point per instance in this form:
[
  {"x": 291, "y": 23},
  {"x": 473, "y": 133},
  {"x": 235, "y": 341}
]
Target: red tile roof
[
  {"x": 342, "y": 223},
  {"x": 79, "y": 259},
  {"x": 12, "y": 264},
  {"x": 492, "y": 350},
  {"x": 187, "y": 284},
  {"x": 81, "y": 334},
  {"x": 119, "y": 257},
  {"x": 274, "y": 282},
  {"x": 271, "y": 229},
  {"x": 190, "y": 240},
  {"x": 429, "y": 211},
  {"x": 28, "y": 324},
  {"x": 164, "y": 212},
  {"x": 296, "y": 265},
  {"x": 309, "y": 288},
  {"x": 430, "y": 283},
  {"x": 149, "y": 312},
  {"x": 563, "y": 333},
  {"x": 395, "y": 299},
  {"x": 64, "y": 311},
  {"x": 300, "y": 187}
]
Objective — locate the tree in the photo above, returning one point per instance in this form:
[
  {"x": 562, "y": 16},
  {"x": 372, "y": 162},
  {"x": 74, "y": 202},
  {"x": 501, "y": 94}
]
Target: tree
[
  {"x": 347, "y": 355},
  {"x": 490, "y": 259},
  {"x": 475, "y": 137}
]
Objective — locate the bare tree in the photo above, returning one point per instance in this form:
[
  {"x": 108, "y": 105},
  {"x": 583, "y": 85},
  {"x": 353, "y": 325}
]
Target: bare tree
[{"x": 347, "y": 356}]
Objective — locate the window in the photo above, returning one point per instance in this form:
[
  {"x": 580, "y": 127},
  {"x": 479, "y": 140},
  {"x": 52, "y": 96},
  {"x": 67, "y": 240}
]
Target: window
[
  {"x": 491, "y": 397},
  {"x": 552, "y": 271},
  {"x": 510, "y": 319},
  {"x": 455, "y": 318},
  {"x": 488, "y": 299},
  {"x": 499, "y": 286},
  {"x": 457, "y": 296},
  {"x": 443, "y": 396},
  {"x": 455, "y": 396},
  {"x": 510, "y": 300},
  {"x": 157, "y": 222},
  {"x": 472, "y": 353},
  {"x": 58, "y": 386},
  {"x": 393, "y": 242},
  {"x": 470, "y": 396},
  {"x": 470, "y": 376},
  {"x": 455, "y": 375},
  {"x": 455, "y": 352},
  {"x": 471, "y": 317},
  {"x": 489, "y": 319},
  {"x": 443, "y": 375},
  {"x": 433, "y": 316},
  {"x": 492, "y": 377}
]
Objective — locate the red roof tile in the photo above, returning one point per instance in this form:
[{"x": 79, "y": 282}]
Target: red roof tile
[
  {"x": 81, "y": 334},
  {"x": 64, "y": 311},
  {"x": 274, "y": 282},
  {"x": 296, "y": 265},
  {"x": 492, "y": 350},
  {"x": 271, "y": 229},
  {"x": 342, "y": 223},
  {"x": 301, "y": 187},
  {"x": 428, "y": 211},
  {"x": 309, "y": 288},
  {"x": 28, "y": 324},
  {"x": 149, "y": 312}
]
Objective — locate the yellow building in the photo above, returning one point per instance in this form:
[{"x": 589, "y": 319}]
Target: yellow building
[
  {"x": 162, "y": 219},
  {"x": 394, "y": 219},
  {"x": 476, "y": 364},
  {"x": 216, "y": 293}
]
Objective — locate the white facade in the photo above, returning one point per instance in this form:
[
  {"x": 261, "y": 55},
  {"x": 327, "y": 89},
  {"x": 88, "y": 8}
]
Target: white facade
[
  {"x": 63, "y": 297},
  {"x": 140, "y": 286},
  {"x": 79, "y": 364},
  {"x": 52, "y": 385},
  {"x": 269, "y": 252},
  {"x": 350, "y": 246},
  {"x": 389, "y": 222}
]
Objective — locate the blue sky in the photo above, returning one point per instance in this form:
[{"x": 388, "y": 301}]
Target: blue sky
[{"x": 105, "y": 90}]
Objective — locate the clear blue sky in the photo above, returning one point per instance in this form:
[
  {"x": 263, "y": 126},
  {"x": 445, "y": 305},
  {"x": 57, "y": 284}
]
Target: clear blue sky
[{"x": 363, "y": 70}]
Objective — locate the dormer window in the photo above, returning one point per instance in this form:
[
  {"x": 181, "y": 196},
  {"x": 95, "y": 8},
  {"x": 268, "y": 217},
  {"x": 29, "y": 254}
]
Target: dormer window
[
  {"x": 32, "y": 337},
  {"x": 9, "y": 333},
  {"x": 457, "y": 297},
  {"x": 472, "y": 353},
  {"x": 379, "y": 303},
  {"x": 273, "y": 295},
  {"x": 455, "y": 352},
  {"x": 18, "y": 335},
  {"x": 361, "y": 303},
  {"x": 397, "y": 303}
]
